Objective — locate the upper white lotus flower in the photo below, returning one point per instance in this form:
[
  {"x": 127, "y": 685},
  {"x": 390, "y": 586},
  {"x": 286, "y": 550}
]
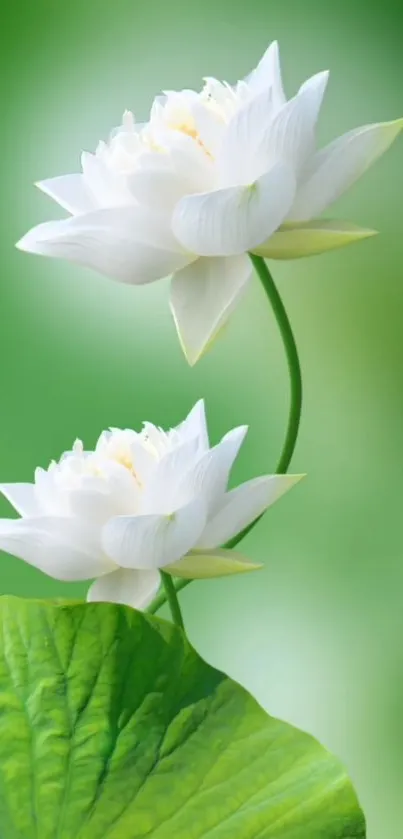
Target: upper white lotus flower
[
  {"x": 139, "y": 502},
  {"x": 208, "y": 177}
]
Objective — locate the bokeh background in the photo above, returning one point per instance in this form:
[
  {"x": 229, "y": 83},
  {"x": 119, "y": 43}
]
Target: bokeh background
[{"x": 318, "y": 635}]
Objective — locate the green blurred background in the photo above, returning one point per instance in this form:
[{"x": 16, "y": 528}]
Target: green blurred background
[{"x": 317, "y": 636}]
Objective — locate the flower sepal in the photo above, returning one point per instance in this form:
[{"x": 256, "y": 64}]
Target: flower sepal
[{"x": 205, "y": 565}]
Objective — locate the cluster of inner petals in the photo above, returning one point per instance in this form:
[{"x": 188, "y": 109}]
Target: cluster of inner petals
[
  {"x": 78, "y": 464},
  {"x": 130, "y": 140},
  {"x": 124, "y": 458}
]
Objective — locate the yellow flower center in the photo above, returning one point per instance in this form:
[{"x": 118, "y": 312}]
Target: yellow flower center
[
  {"x": 192, "y": 132},
  {"x": 187, "y": 129}
]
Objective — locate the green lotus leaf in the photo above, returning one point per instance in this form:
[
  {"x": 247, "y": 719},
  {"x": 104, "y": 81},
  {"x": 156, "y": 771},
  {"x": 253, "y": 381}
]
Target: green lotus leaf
[{"x": 112, "y": 727}]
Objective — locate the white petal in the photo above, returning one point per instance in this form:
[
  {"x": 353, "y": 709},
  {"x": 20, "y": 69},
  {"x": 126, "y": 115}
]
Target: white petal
[
  {"x": 64, "y": 548},
  {"x": 108, "y": 186},
  {"x": 163, "y": 494},
  {"x": 307, "y": 238},
  {"x": 242, "y": 505},
  {"x": 154, "y": 160},
  {"x": 71, "y": 192},
  {"x": 130, "y": 588},
  {"x": 144, "y": 461},
  {"x": 234, "y": 220},
  {"x": 260, "y": 136},
  {"x": 203, "y": 296},
  {"x": 124, "y": 482},
  {"x": 92, "y": 506},
  {"x": 210, "y": 127},
  {"x": 153, "y": 541},
  {"x": 115, "y": 493},
  {"x": 53, "y": 499},
  {"x": 336, "y": 167},
  {"x": 23, "y": 497},
  {"x": 119, "y": 243},
  {"x": 188, "y": 158},
  {"x": 159, "y": 188},
  {"x": 242, "y": 157},
  {"x": 315, "y": 87},
  {"x": 195, "y": 426},
  {"x": 121, "y": 484},
  {"x": 291, "y": 136},
  {"x": 208, "y": 479},
  {"x": 203, "y": 565},
  {"x": 157, "y": 437},
  {"x": 268, "y": 73}
]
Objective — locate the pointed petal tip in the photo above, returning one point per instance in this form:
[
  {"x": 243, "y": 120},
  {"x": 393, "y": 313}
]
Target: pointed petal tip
[
  {"x": 23, "y": 243},
  {"x": 367, "y": 233},
  {"x": 295, "y": 477},
  {"x": 391, "y": 129},
  {"x": 200, "y": 406},
  {"x": 239, "y": 430},
  {"x": 358, "y": 233},
  {"x": 249, "y": 565},
  {"x": 287, "y": 481},
  {"x": 321, "y": 74},
  {"x": 284, "y": 482},
  {"x": 273, "y": 49},
  {"x": 29, "y": 243},
  {"x": 43, "y": 186},
  {"x": 192, "y": 356},
  {"x": 324, "y": 75}
]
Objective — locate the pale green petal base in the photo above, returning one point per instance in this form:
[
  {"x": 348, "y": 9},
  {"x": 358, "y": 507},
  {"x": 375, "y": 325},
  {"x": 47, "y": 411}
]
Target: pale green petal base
[
  {"x": 203, "y": 565},
  {"x": 308, "y": 238}
]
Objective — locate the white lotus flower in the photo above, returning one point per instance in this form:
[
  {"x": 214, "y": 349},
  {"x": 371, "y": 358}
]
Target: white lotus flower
[
  {"x": 139, "y": 502},
  {"x": 208, "y": 177}
]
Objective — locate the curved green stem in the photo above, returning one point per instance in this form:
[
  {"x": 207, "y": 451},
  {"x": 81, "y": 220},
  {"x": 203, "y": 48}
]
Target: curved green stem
[
  {"x": 294, "y": 369},
  {"x": 294, "y": 416},
  {"x": 172, "y": 597}
]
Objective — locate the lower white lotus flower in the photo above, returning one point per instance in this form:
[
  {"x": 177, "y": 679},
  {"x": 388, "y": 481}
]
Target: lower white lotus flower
[
  {"x": 137, "y": 503},
  {"x": 208, "y": 177}
]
